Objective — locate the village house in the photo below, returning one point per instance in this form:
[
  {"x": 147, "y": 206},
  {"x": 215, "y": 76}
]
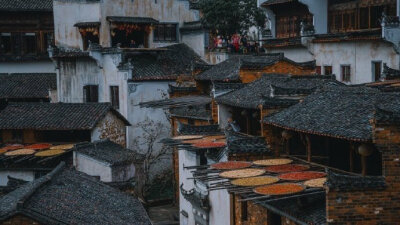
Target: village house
[
  {"x": 26, "y": 31},
  {"x": 105, "y": 159},
  {"x": 84, "y": 200},
  {"x": 26, "y": 87},
  {"x": 271, "y": 93},
  {"x": 334, "y": 123},
  {"x": 29, "y": 123},
  {"x": 351, "y": 39}
]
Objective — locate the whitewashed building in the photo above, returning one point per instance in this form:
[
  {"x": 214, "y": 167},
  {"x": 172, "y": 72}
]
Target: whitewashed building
[
  {"x": 198, "y": 204},
  {"x": 125, "y": 52},
  {"x": 351, "y": 39},
  {"x": 105, "y": 159}
]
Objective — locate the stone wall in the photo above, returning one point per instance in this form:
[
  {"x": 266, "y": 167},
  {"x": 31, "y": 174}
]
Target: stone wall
[
  {"x": 256, "y": 214},
  {"x": 110, "y": 127}
]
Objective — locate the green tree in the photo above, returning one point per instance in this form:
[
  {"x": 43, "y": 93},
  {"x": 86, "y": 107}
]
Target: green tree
[{"x": 226, "y": 17}]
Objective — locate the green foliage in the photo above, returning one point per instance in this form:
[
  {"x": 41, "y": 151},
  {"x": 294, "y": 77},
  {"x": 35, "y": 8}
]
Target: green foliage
[{"x": 227, "y": 17}]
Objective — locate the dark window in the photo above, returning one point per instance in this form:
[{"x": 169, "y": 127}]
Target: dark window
[
  {"x": 243, "y": 210},
  {"x": 5, "y": 43},
  {"x": 202, "y": 158},
  {"x": 375, "y": 16},
  {"x": 88, "y": 38},
  {"x": 377, "y": 70},
  {"x": 17, "y": 136},
  {"x": 165, "y": 32},
  {"x": 318, "y": 70},
  {"x": 274, "y": 218},
  {"x": 191, "y": 122},
  {"x": 327, "y": 70},
  {"x": 364, "y": 18},
  {"x": 346, "y": 74},
  {"x": 114, "y": 95},
  {"x": 91, "y": 93},
  {"x": 29, "y": 43}
]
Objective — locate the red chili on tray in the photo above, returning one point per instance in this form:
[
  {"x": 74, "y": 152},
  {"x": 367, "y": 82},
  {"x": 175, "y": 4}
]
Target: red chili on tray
[
  {"x": 231, "y": 165},
  {"x": 287, "y": 168},
  {"x": 38, "y": 146},
  {"x": 307, "y": 175},
  {"x": 209, "y": 145}
]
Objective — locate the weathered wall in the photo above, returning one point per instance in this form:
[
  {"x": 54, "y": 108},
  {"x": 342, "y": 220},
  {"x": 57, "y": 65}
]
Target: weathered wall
[
  {"x": 110, "y": 127},
  {"x": 297, "y": 54},
  {"x": 73, "y": 75},
  {"x": 220, "y": 207},
  {"x": 27, "y": 67},
  {"x": 144, "y": 92},
  {"x": 186, "y": 159},
  {"x": 20, "y": 220},
  {"x": 123, "y": 173},
  {"x": 196, "y": 41},
  {"x": 168, "y": 11},
  {"x": 92, "y": 167},
  {"x": 256, "y": 214},
  {"x": 68, "y": 13},
  {"x": 359, "y": 55},
  {"x": 224, "y": 113},
  {"x": 22, "y": 175}
]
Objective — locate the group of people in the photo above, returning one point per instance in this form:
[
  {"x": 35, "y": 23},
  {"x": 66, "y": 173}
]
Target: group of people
[{"x": 235, "y": 44}]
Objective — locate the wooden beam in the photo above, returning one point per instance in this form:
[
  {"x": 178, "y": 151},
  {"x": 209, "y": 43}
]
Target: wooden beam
[{"x": 351, "y": 158}]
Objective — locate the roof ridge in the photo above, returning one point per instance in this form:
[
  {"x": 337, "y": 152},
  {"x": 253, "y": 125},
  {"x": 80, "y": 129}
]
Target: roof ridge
[{"x": 40, "y": 183}]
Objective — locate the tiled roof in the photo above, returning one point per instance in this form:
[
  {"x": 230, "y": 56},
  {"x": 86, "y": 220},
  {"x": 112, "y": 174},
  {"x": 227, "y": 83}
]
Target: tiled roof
[
  {"x": 107, "y": 151},
  {"x": 198, "y": 112},
  {"x": 185, "y": 129},
  {"x": 27, "y": 86},
  {"x": 26, "y": 5},
  {"x": 306, "y": 210},
  {"x": 262, "y": 90},
  {"x": 55, "y": 116},
  {"x": 238, "y": 143},
  {"x": 283, "y": 42},
  {"x": 336, "y": 111},
  {"x": 177, "y": 60},
  {"x": 349, "y": 36},
  {"x": 65, "y": 196},
  {"x": 229, "y": 69},
  {"x": 223, "y": 88},
  {"x": 192, "y": 26},
  {"x": 176, "y": 89},
  {"x": 342, "y": 182},
  {"x": 389, "y": 73}
]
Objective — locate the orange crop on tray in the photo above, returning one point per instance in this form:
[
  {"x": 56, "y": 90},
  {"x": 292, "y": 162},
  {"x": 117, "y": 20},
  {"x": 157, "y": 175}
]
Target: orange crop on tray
[
  {"x": 231, "y": 165},
  {"x": 307, "y": 175},
  {"x": 287, "y": 168},
  {"x": 279, "y": 189},
  {"x": 38, "y": 146},
  {"x": 209, "y": 145}
]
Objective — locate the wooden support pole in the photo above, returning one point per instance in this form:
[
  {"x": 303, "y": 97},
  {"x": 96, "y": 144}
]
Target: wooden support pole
[
  {"x": 351, "y": 157},
  {"x": 364, "y": 165},
  {"x": 308, "y": 140}
]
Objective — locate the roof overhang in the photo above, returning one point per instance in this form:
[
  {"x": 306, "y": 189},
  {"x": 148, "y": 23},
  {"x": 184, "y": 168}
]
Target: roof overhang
[
  {"x": 87, "y": 24},
  {"x": 132, "y": 20},
  {"x": 177, "y": 102}
]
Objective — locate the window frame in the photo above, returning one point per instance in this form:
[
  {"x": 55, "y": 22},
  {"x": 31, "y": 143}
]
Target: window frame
[
  {"x": 324, "y": 69},
  {"x": 342, "y": 75},
  {"x": 88, "y": 91},
  {"x": 114, "y": 97},
  {"x": 156, "y": 32},
  {"x": 373, "y": 69}
]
